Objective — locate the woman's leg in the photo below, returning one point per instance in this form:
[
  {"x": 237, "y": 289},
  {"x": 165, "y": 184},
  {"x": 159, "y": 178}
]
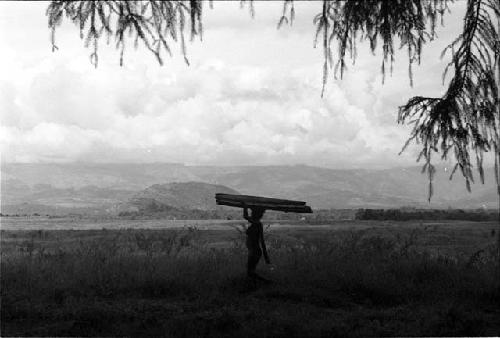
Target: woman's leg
[{"x": 253, "y": 259}]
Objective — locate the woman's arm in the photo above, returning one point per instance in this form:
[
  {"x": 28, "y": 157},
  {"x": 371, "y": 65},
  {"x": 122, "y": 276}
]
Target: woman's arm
[
  {"x": 245, "y": 212},
  {"x": 263, "y": 244}
]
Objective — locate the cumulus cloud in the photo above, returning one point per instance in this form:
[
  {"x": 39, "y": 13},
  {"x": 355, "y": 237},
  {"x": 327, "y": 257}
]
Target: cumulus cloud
[{"x": 250, "y": 96}]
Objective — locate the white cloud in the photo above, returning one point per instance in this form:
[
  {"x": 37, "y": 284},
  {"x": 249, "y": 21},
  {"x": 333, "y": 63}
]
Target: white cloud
[{"x": 250, "y": 96}]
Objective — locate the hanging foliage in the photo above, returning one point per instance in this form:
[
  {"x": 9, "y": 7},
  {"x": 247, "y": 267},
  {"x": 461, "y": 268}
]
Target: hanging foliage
[
  {"x": 411, "y": 22},
  {"x": 465, "y": 120},
  {"x": 155, "y": 24}
]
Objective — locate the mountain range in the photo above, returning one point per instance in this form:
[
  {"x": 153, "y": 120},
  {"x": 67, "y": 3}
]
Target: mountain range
[{"x": 112, "y": 187}]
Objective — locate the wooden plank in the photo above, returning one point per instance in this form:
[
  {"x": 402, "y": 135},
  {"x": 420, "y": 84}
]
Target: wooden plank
[
  {"x": 277, "y": 207},
  {"x": 257, "y": 204},
  {"x": 248, "y": 198},
  {"x": 262, "y": 202},
  {"x": 264, "y": 205}
]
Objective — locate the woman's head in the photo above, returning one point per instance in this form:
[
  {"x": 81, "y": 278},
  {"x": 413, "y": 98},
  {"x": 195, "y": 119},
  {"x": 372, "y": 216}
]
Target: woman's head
[{"x": 257, "y": 213}]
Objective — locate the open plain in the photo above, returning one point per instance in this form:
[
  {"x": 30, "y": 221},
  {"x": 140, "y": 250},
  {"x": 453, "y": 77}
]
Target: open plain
[{"x": 64, "y": 277}]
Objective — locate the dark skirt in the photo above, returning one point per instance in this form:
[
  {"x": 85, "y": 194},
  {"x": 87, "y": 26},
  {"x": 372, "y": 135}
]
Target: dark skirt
[{"x": 254, "y": 255}]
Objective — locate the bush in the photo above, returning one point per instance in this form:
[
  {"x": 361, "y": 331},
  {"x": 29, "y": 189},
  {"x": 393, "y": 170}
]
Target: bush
[{"x": 478, "y": 215}]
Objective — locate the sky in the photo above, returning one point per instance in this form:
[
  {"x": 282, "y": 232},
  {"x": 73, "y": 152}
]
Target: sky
[{"x": 250, "y": 96}]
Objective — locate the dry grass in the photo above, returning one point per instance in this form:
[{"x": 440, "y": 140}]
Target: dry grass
[{"x": 373, "y": 282}]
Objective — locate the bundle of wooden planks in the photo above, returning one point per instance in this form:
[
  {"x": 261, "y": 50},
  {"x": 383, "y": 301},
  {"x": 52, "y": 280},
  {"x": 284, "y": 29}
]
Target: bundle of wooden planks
[{"x": 262, "y": 202}]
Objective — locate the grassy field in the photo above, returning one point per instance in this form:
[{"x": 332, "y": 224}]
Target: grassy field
[{"x": 342, "y": 279}]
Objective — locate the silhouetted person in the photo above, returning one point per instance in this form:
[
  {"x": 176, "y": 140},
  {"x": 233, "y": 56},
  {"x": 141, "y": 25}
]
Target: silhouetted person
[{"x": 255, "y": 241}]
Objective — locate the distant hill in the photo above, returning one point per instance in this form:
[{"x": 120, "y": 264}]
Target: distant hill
[
  {"x": 20, "y": 198},
  {"x": 107, "y": 185},
  {"x": 188, "y": 195}
]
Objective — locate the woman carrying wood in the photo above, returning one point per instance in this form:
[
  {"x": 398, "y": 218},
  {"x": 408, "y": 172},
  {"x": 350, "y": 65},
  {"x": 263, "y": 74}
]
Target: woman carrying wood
[{"x": 255, "y": 240}]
